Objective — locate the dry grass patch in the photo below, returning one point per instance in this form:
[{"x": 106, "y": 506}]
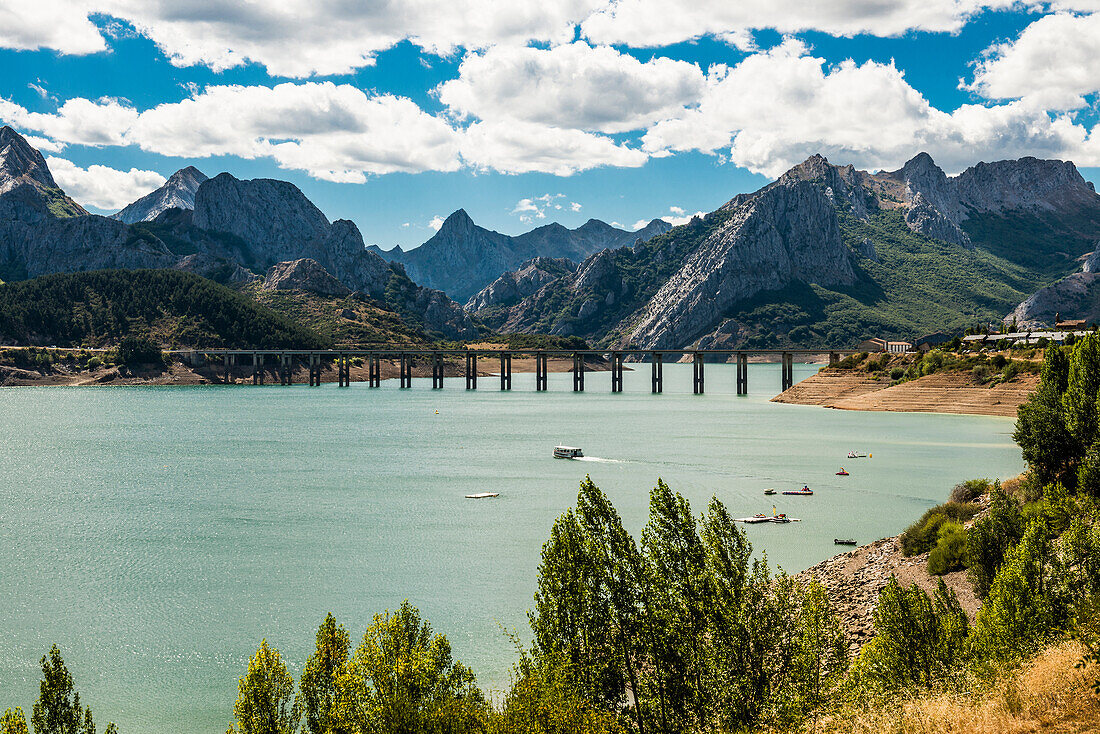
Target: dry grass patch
[{"x": 1047, "y": 695}]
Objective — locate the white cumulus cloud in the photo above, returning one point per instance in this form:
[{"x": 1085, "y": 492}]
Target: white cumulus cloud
[
  {"x": 575, "y": 86},
  {"x": 652, "y": 23},
  {"x": 512, "y": 146},
  {"x": 59, "y": 25},
  {"x": 299, "y": 38},
  {"x": 436, "y": 223},
  {"x": 778, "y": 107},
  {"x": 100, "y": 186},
  {"x": 1053, "y": 63},
  {"x": 536, "y": 207}
]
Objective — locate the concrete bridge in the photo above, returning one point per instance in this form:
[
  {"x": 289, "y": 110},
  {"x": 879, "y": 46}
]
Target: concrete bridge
[{"x": 285, "y": 362}]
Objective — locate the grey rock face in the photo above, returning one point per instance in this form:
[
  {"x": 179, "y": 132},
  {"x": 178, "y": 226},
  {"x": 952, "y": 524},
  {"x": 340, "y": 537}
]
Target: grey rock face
[
  {"x": 273, "y": 214},
  {"x": 924, "y": 218},
  {"x": 866, "y": 249},
  {"x": 25, "y": 176},
  {"x": 1092, "y": 262},
  {"x": 178, "y": 192},
  {"x": 786, "y": 233},
  {"x": 75, "y": 244},
  {"x": 1076, "y": 296},
  {"x": 303, "y": 275},
  {"x": 1024, "y": 184},
  {"x": 220, "y": 269},
  {"x": 20, "y": 162},
  {"x": 514, "y": 286},
  {"x": 939, "y": 204},
  {"x": 923, "y": 177}
]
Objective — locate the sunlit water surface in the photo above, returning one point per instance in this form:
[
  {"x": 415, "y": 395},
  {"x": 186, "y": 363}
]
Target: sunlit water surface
[{"x": 157, "y": 534}]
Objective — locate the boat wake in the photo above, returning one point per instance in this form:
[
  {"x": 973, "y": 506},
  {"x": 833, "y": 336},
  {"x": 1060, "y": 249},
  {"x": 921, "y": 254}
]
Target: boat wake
[{"x": 598, "y": 459}]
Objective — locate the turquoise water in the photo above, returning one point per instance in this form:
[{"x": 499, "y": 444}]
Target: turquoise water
[{"x": 157, "y": 534}]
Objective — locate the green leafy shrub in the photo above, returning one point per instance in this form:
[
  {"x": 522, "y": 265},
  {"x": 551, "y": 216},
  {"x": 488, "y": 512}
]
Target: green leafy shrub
[
  {"x": 980, "y": 374},
  {"x": 133, "y": 350},
  {"x": 922, "y": 535},
  {"x": 950, "y": 551},
  {"x": 998, "y": 361},
  {"x": 897, "y": 373},
  {"x": 918, "y": 639},
  {"x": 990, "y": 538},
  {"x": 971, "y": 490}
]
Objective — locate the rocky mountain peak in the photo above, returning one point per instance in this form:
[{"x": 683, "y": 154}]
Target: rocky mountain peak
[
  {"x": 459, "y": 222},
  {"x": 19, "y": 161},
  {"x": 178, "y": 192}
]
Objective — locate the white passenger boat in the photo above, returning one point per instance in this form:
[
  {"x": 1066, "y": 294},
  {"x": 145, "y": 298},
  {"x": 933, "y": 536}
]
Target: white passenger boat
[
  {"x": 567, "y": 452},
  {"x": 482, "y": 495}
]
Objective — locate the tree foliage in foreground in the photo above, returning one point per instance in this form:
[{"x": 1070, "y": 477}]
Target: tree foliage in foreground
[{"x": 685, "y": 632}]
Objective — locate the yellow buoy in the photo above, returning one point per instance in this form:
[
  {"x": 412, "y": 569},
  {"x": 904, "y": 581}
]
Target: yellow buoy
[
  {"x": 869, "y": 456},
  {"x": 437, "y": 412}
]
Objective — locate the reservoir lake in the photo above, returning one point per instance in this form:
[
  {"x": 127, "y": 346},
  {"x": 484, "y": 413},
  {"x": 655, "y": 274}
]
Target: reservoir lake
[{"x": 156, "y": 534}]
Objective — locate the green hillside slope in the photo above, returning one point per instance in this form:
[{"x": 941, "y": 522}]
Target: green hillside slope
[{"x": 177, "y": 309}]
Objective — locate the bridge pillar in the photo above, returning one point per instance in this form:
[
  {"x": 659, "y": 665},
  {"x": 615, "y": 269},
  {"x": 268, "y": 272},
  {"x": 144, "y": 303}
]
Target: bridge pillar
[
  {"x": 374, "y": 370},
  {"x": 540, "y": 371},
  {"x": 505, "y": 371},
  {"x": 286, "y": 369},
  {"x": 257, "y": 369},
  {"x": 578, "y": 372},
  {"x": 314, "y": 370},
  {"x": 697, "y": 374},
  {"x": 437, "y": 371},
  {"x": 657, "y": 369},
  {"x": 834, "y": 359},
  {"x": 788, "y": 370},
  {"x": 742, "y": 374},
  {"x": 343, "y": 370},
  {"x": 616, "y": 372},
  {"x": 471, "y": 370},
  {"x": 404, "y": 371}
]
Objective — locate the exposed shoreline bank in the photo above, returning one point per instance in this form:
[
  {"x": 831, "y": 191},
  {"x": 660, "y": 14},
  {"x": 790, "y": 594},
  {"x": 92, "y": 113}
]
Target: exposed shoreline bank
[{"x": 942, "y": 392}]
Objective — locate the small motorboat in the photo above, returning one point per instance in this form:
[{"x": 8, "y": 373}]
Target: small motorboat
[
  {"x": 769, "y": 491},
  {"x": 804, "y": 491},
  {"x": 844, "y": 541},
  {"x": 567, "y": 452},
  {"x": 854, "y": 455},
  {"x": 482, "y": 495},
  {"x": 758, "y": 517},
  {"x": 842, "y": 473}
]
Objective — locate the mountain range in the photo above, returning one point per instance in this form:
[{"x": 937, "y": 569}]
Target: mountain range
[
  {"x": 828, "y": 254},
  {"x": 462, "y": 258}
]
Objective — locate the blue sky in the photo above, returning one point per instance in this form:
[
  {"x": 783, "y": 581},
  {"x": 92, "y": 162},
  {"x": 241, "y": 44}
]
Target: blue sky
[{"x": 395, "y": 114}]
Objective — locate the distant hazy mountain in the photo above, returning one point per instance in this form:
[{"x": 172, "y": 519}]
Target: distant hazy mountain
[
  {"x": 177, "y": 192},
  {"x": 462, "y": 258},
  {"x": 828, "y": 254}
]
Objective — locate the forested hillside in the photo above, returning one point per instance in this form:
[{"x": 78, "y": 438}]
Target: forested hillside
[{"x": 175, "y": 308}]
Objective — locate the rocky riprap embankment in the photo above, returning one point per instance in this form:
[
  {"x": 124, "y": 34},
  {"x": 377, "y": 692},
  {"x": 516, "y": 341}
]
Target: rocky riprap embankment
[{"x": 854, "y": 581}]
